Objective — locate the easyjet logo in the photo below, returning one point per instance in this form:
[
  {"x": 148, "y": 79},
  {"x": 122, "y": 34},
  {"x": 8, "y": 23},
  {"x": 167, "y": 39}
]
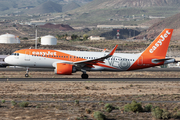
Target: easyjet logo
[
  {"x": 43, "y": 53},
  {"x": 160, "y": 41}
]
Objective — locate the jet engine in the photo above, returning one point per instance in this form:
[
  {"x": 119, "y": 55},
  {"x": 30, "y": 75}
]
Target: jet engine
[{"x": 64, "y": 69}]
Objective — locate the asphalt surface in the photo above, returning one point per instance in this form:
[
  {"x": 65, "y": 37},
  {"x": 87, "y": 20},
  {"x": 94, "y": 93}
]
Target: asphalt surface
[
  {"x": 51, "y": 69},
  {"x": 90, "y": 79}
]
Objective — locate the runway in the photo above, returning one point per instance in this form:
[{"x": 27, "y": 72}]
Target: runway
[
  {"x": 51, "y": 69},
  {"x": 90, "y": 79}
]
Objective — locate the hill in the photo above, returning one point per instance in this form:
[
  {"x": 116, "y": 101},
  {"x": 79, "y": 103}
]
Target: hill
[
  {"x": 172, "y": 22},
  {"x": 6, "y": 5},
  {"x": 47, "y": 7},
  {"x": 10, "y": 6},
  {"x": 122, "y": 11},
  {"x": 70, "y": 6},
  {"x": 61, "y": 27},
  {"x": 114, "y": 4}
]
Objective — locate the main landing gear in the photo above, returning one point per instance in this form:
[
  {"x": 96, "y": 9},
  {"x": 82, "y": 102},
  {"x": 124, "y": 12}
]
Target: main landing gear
[
  {"x": 27, "y": 71},
  {"x": 84, "y": 75}
]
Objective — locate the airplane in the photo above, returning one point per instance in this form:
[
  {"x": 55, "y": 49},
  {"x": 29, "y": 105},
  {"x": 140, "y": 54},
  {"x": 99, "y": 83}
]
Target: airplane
[{"x": 67, "y": 62}]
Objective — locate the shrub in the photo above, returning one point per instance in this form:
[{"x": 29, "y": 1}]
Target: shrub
[
  {"x": 109, "y": 110},
  {"x": 85, "y": 36},
  {"x": 176, "y": 115},
  {"x": 88, "y": 111},
  {"x": 127, "y": 107},
  {"x": 76, "y": 102},
  {"x": 134, "y": 107},
  {"x": 166, "y": 114},
  {"x": 23, "y": 104},
  {"x": 99, "y": 116},
  {"x": 24, "y": 38},
  {"x": 157, "y": 113},
  {"x": 3, "y": 101},
  {"x": 148, "y": 108},
  {"x": 13, "y": 103},
  {"x": 175, "y": 109},
  {"x": 86, "y": 87},
  {"x": 38, "y": 106},
  {"x": 108, "y": 107}
]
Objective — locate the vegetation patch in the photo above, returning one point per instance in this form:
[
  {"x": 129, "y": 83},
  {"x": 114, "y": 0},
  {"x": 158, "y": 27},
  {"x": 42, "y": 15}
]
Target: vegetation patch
[
  {"x": 3, "y": 101},
  {"x": 108, "y": 107},
  {"x": 23, "y": 104},
  {"x": 98, "y": 115},
  {"x": 134, "y": 107}
]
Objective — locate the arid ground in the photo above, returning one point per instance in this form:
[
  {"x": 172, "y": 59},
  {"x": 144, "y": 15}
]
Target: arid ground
[{"x": 72, "y": 100}]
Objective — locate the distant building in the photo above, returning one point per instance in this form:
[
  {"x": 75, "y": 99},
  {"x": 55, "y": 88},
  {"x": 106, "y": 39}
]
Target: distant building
[
  {"x": 96, "y": 38},
  {"x": 110, "y": 26},
  {"x": 156, "y": 17}
]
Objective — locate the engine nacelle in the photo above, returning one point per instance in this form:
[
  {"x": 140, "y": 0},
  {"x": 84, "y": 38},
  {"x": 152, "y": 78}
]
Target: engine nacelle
[{"x": 64, "y": 69}]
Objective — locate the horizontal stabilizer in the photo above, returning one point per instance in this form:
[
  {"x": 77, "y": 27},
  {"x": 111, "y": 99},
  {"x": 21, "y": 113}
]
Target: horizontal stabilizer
[
  {"x": 162, "y": 60},
  {"x": 165, "y": 60}
]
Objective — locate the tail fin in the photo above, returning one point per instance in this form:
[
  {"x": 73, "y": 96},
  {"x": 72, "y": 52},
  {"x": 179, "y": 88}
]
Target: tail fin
[{"x": 160, "y": 45}]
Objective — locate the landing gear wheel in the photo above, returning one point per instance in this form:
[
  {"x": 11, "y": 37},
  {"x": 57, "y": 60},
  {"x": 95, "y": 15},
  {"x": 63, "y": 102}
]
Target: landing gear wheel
[
  {"x": 84, "y": 76},
  {"x": 26, "y": 75}
]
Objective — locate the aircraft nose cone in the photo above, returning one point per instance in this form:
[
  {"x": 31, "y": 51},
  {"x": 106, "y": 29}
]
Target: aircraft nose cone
[{"x": 6, "y": 60}]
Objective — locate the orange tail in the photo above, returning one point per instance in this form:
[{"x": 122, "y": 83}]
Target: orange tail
[
  {"x": 156, "y": 50},
  {"x": 160, "y": 45}
]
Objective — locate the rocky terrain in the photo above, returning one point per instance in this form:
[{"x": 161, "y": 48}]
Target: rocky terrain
[{"x": 172, "y": 22}]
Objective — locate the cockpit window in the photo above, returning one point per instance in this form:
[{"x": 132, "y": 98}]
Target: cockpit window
[{"x": 15, "y": 54}]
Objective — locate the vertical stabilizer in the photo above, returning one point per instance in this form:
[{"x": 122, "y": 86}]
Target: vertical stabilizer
[{"x": 160, "y": 45}]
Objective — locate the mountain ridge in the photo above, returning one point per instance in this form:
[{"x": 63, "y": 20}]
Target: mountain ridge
[{"x": 115, "y": 4}]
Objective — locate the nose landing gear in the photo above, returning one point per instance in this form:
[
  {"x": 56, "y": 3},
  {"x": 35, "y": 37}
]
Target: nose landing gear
[{"x": 27, "y": 71}]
